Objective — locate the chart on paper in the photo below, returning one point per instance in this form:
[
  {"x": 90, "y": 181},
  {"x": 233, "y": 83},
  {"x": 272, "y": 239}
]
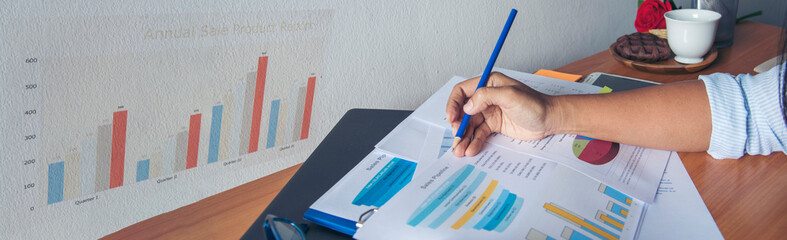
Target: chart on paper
[
  {"x": 447, "y": 199},
  {"x": 485, "y": 196}
]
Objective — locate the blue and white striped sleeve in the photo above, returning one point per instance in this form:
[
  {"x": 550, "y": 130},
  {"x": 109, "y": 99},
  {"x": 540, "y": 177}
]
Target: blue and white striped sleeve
[{"x": 746, "y": 113}]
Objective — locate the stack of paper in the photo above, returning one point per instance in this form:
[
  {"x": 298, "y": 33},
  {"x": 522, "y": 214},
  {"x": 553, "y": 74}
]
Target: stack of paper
[{"x": 563, "y": 186}]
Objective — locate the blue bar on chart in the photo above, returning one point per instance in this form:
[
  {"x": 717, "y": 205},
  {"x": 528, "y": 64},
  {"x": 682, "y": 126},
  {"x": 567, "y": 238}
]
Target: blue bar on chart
[
  {"x": 55, "y": 182},
  {"x": 389, "y": 180},
  {"x": 436, "y": 198},
  {"x": 570, "y": 234},
  {"x": 215, "y": 134},
  {"x": 143, "y": 170},
  {"x": 451, "y": 209},
  {"x": 496, "y": 207},
  {"x": 503, "y": 204},
  {"x": 272, "y": 123},
  {"x": 615, "y": 194},
  {"x": 617, "y": 209}
]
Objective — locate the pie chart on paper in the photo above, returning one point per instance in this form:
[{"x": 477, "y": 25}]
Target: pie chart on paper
[{"x": 593, "y": 151}]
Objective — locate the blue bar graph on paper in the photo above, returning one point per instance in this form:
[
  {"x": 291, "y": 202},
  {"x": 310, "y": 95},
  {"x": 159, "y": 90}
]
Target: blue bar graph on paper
[
  {"x": 458, "y": 201},
  {"x": 386, "y": 183},
  {"x": 383, "y": 185},
  {"x": 273, "y": 123},
  {"x": 403, "y": 178},
  {"x": 498, "y": 217},
  {"x": 478, "y": 216},
  {"x": 615, "y": 194},
  {"x": 55, "y": 183},
  {"x": 361, "y": 198},
  {"x": 617, "y": 209},
  {"x": 215, "y": 134},
  {"x": 512, "y": 212},
  {"x": 494, "y": 210},
  {"x": 143, "y": 170},
  {"x": 440, "y": 195}
]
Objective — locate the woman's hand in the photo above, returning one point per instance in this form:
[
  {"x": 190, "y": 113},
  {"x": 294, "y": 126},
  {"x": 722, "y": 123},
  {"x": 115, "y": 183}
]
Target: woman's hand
[{"x": 505, "y": 105}]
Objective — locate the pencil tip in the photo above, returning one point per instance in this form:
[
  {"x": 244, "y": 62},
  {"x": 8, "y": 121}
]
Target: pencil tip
[{"x": 456, "y": 142}]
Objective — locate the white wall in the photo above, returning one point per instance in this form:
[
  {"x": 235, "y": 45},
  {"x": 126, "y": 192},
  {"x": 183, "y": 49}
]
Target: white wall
[{"x": 393, "y": 54}]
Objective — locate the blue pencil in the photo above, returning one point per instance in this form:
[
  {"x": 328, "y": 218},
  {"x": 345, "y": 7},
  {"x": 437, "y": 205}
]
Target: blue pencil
[{"x": 484, "y": 77}]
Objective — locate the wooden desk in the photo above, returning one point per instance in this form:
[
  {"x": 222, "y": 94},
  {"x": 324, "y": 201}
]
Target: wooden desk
[{"x": 745, "y": 196}]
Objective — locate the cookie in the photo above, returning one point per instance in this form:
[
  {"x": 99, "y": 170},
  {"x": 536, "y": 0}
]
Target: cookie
[{"x": 643, "y": 47}]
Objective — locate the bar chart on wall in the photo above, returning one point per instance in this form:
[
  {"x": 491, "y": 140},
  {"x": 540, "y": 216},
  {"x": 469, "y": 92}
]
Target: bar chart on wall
[
  {"x": 165, "y": 111},
  {"x": 94, "y": 167}
]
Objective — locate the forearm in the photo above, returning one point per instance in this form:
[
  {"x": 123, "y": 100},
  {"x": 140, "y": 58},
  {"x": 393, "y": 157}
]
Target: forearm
[{"x": 673, "y": 116}]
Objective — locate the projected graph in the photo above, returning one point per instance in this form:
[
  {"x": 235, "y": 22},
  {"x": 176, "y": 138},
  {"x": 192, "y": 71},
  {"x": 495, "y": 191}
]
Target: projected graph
[
  {"x": 100, "y": 163},
  {"x": 103, "y": 110}
]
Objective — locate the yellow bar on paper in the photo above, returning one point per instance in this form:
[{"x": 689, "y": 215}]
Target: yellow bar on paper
[
  {"x": 477, "y": 205},
  {"x": 609, "y": 220},
  {"x": 579, "y": 221}
]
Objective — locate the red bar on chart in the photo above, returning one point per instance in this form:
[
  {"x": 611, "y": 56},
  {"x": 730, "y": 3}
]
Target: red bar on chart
[
  {"x": 193, "y": 147},
  {"x": 256, "y": 117},
  {"x": 307, "y": 110},
  {"x": 118, "y": 148}
]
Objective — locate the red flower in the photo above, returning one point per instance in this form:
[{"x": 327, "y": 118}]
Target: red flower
[{"x": 650, "y": 15}]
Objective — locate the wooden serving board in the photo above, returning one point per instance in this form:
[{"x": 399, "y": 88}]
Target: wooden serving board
[{"x": 669, "y": 66}]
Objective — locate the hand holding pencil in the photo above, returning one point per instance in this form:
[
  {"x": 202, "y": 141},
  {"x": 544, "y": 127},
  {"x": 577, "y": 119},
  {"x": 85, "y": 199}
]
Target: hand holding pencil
[{"x": 507, "y": 106}]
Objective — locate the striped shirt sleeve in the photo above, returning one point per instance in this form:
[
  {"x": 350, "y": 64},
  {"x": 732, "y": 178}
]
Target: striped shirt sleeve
[{"x": 746, "y": 113}]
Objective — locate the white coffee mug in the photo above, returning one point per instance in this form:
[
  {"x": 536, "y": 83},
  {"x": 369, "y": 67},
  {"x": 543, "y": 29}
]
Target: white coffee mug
[{"x": 690, "y": 33}]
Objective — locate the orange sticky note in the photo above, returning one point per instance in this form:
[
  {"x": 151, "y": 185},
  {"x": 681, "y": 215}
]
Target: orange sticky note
[{"x": 558, "y": 75}]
